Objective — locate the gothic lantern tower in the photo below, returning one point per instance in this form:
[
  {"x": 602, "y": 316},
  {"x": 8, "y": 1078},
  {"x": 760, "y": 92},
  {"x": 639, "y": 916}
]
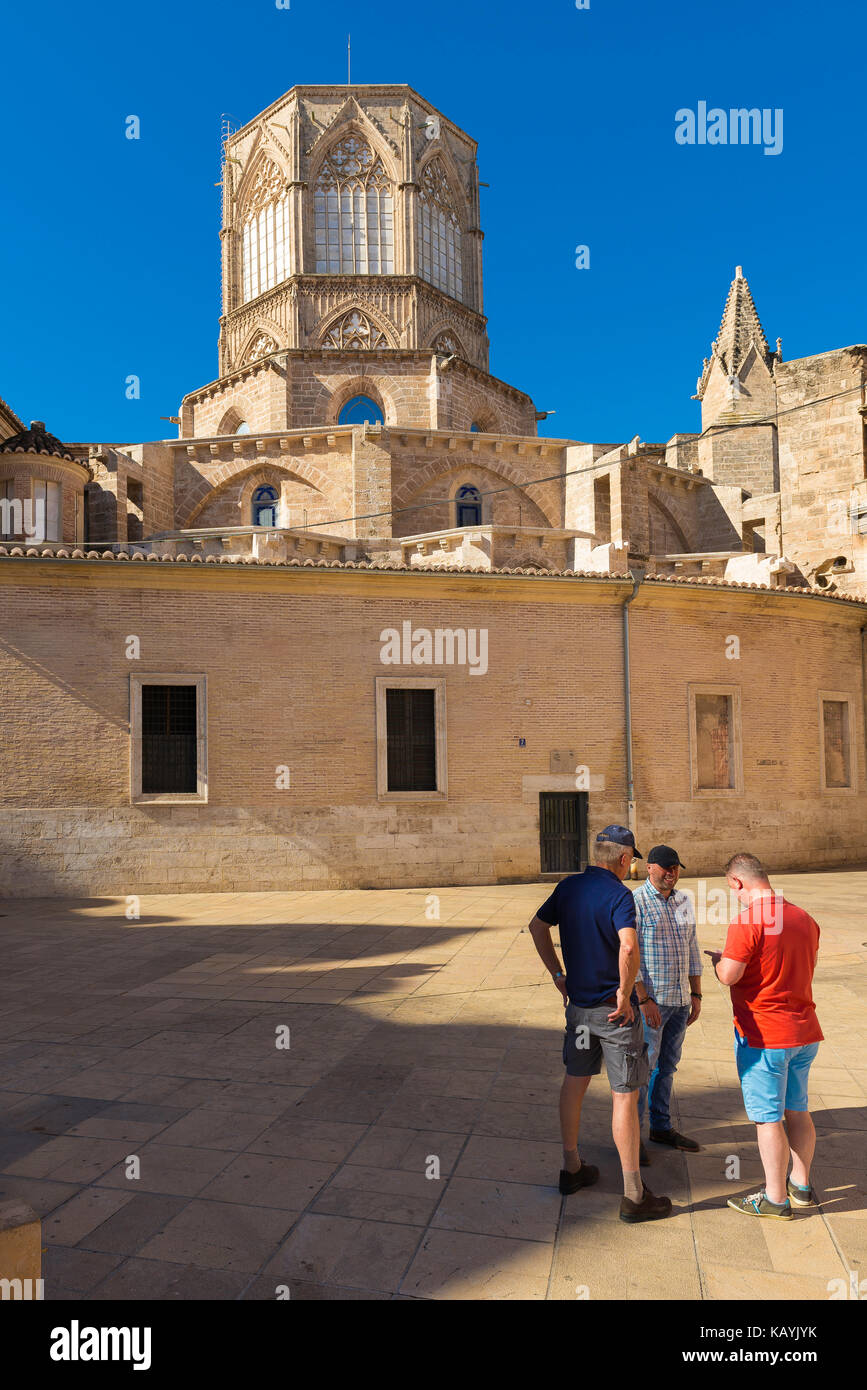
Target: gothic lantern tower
[{"x": 352, "y": 267}]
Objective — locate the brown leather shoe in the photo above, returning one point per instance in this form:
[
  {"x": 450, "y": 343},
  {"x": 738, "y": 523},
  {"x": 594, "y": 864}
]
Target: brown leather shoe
[
  {"x": 673, "y": 1140},
  {"x": 650, "y": 1208},
  {"x": 586, "y": 1176}
]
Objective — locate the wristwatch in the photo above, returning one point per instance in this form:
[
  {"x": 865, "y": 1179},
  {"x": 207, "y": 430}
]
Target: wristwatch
[{"x": 558, "y": 975}]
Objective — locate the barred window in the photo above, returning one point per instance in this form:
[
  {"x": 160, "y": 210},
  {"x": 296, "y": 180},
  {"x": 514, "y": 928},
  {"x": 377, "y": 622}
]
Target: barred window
[
  {"x": 411, "y": 739},
  {"x": 439, "y": 232},
  {"x": 168, "y": 727},
  {"x": 353, "y": 208},
  {"x": 265, "y": 234},
  {"x": 168, "y": 738}
]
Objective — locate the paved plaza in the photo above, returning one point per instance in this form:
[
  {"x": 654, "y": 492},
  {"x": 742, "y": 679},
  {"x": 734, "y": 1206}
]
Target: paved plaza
[{"x": 417, "y": 1044}]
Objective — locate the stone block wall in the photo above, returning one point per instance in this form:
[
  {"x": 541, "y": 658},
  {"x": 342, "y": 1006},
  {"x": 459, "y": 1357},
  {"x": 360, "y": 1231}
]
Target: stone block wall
[
  {"x": 214, "y": 483},
  {"x": 305, "y": 390},
  {"x": 783, "y": 815},
  {"x": 291, "y": 659},
  {"x": 822, "y": 460},
  {"x": 426, "y": 473}
]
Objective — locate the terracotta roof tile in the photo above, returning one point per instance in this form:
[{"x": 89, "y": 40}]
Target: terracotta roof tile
[
  {"x": 79, "y": 553},
  {"x": 36, "y": 440}
]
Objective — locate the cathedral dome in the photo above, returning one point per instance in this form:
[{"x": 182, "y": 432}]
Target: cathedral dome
[{"x": 36, "y": 440}]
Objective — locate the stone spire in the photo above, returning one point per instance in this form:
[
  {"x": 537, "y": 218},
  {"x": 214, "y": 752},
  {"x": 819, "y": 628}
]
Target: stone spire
[{"x": 740, "y": 330}]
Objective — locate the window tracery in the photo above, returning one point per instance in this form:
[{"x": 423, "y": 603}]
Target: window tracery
[
  {"x": 261, "y": 346},
  {"x": 439, "y": 232},
  {"x": 353, "y": 209},
  {"x": 354, "y": 331},
  {"x": 447, "y": 342},
  {"x": 265, "y": 233}
]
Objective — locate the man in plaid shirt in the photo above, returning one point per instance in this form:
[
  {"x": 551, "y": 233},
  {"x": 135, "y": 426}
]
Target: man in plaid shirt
[{"x": 669, "y": 988}]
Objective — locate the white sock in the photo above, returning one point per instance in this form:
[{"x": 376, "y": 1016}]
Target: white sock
[{"x": 633, "y": 1187}]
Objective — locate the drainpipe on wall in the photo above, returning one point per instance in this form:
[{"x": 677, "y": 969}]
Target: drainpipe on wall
[{"x": 636, "y": 574}]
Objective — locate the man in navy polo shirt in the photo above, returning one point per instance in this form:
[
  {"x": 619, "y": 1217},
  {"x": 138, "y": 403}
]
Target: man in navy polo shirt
[{"x": 599, "y": 941}]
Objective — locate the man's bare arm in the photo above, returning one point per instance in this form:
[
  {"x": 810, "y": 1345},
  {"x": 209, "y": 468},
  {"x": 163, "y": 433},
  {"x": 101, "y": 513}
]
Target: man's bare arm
[
  {"x": 629, "y": 962},
  {"x": 541, "y": 934},
  {"x": 728, "y": 972},
  {"x": 630, "y": 959}
]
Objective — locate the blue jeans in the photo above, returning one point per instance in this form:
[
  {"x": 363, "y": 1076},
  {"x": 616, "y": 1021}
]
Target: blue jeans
[{"x": 664, "y": 1046}]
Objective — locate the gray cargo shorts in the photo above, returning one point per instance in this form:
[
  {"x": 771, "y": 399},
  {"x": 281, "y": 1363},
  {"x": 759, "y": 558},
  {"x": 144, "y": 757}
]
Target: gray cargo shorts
[{"x": 590, "y": 1037}]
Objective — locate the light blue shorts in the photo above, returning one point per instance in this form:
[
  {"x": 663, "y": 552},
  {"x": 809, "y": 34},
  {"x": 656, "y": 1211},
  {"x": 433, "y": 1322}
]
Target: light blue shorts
[{"x": 773, "y": 1079}]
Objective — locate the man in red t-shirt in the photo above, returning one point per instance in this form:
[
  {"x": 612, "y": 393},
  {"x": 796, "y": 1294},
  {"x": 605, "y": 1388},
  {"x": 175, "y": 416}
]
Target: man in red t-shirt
[{"x": 768, "y": 961}]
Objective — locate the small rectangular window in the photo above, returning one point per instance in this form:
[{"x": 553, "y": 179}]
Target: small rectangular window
[
  {"x": 411, "y": 739},
  {"x": 168, "y": 747},
  {"x": 168, "y": 737}
]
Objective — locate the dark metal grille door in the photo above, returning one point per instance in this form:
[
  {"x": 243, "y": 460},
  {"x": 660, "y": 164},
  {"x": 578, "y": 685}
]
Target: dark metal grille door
[
  {"x": 411, "y": 726},
  {"x": 168, "y": 743},
  {"x": 563, "y": 831}
]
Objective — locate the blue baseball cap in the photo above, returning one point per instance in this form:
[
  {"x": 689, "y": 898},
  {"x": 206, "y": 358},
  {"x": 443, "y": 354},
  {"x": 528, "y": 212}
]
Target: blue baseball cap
[
  {"x": 620, "y": 836},
  {"x": 665, "y": 857}
]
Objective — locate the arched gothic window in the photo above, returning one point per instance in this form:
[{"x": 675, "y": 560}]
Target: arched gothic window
[
  {"x": 262, "y": 346},
  {"x": 353, "y": 212},
  {"x": 359, "y": 411},
  {"x": 354, "y": 331},
  {"x": 439, "y": 232},
  {"x": 468, "y": 504},
  {"x": 265, "y": 506},
  {"x": 447, "y": 342},
  {"x": 265, "y": 237}
]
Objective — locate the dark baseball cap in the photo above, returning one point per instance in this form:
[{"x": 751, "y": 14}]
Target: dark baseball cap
[
  {"x": 665, "y": 856},
  {"x": 620, "y": 836}
]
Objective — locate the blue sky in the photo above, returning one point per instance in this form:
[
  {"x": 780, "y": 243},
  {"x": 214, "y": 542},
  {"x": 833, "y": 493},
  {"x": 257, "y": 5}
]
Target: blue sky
[{"x": 109, "y": 249}]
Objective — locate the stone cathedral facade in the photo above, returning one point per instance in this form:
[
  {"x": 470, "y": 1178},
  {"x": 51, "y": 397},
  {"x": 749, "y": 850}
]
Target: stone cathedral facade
[
  {"x": 354, "y": 414},
  {"x": 354, "y": 468}
]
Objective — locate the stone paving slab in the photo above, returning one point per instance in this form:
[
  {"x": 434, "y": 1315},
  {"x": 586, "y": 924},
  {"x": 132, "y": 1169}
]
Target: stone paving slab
[{"x": 405, "y": 1144}]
